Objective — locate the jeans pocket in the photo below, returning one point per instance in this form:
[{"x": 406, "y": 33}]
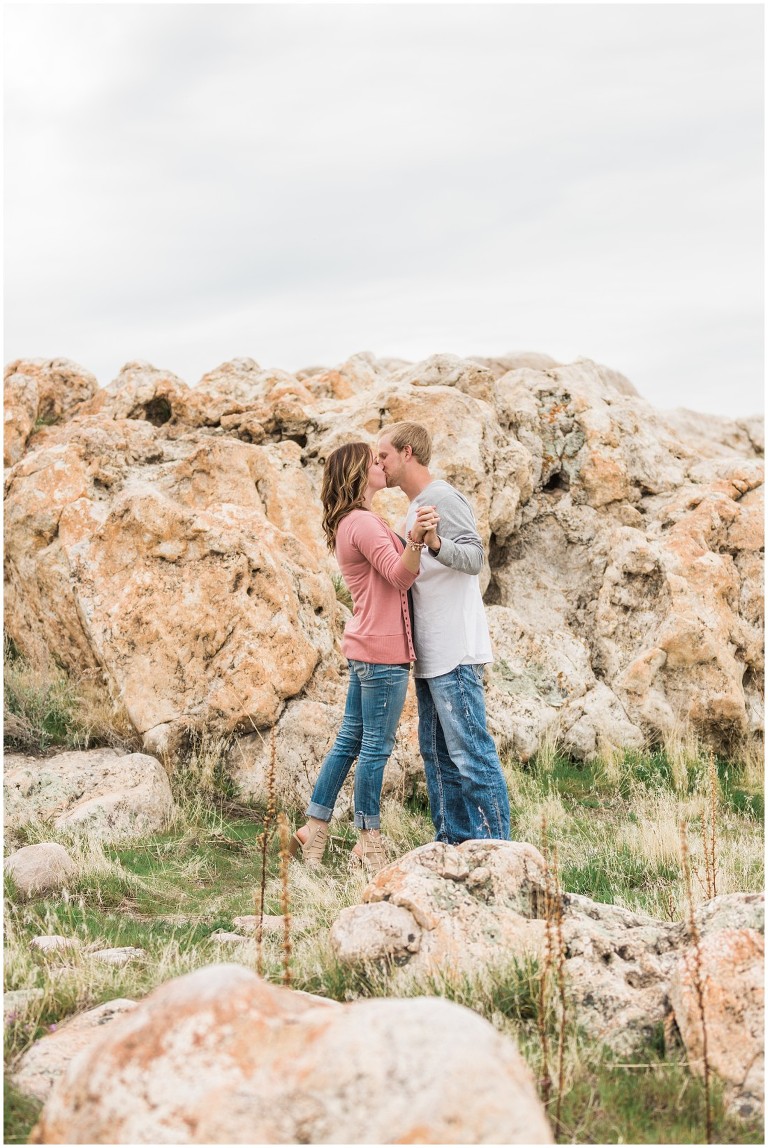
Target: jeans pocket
[
  {"x": 479, "y": 671},
  {"x": 362, "y": 669}
]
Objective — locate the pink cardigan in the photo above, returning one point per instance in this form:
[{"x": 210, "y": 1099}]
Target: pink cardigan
[{"x": 368, "y": 553}]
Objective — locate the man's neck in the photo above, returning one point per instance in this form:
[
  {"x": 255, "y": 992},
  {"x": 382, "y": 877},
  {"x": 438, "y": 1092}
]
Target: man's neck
[{"x": 415, "y": 483}]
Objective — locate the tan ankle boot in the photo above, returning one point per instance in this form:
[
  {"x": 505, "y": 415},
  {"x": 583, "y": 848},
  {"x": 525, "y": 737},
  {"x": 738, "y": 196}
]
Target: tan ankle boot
[
  {"x": 370, "y": 852},
  {"x": 311, "y": 851}
]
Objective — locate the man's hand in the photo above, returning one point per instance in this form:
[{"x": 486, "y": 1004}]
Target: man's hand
[{"x": 425, "y": 526}]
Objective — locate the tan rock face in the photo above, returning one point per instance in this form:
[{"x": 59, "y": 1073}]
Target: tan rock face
[
  {"x": 731, "y": 972},
  {"x": 159, "y": 562},
  {"x": 222, "y": 1057},
  {"x": 44, "y": 390},
  {"x": 170, "y": 535}
]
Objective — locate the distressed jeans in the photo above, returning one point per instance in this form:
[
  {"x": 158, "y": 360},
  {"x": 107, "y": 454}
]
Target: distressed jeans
[
  {"x": 375, "y": 700},
  {"x": 467, "y": 792}
]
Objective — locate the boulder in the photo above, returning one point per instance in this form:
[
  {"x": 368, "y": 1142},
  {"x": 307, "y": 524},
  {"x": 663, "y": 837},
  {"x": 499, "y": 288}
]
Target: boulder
[
  {"x": 41, "y": 868},
  {"x": 99, "y": 792},
  {"x": 618, "y": 965},
  {"x": 729, "y": 966},
  {"x": 221, "y": 1057},
  {"x": 158, "y": 561},
  {"x": 447, "y": 909},
  {"x": 46, "y": 1060},
  {"x": 40, "y": 391}
]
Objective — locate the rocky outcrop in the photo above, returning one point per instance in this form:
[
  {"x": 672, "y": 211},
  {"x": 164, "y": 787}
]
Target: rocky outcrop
[
  {"x": 40, "y": 868},
  {"x": 170, "y": 535},
  {"x": 100, "y": 792},
  {"x": 221, "y": 1057},
  {"x": 458, "y": 911}
]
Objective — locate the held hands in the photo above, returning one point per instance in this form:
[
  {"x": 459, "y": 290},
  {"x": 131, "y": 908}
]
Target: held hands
[{"x": 424, "y": 528}]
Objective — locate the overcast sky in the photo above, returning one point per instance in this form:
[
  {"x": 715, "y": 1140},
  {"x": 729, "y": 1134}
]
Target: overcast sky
[{"x": 192, "y": 183}]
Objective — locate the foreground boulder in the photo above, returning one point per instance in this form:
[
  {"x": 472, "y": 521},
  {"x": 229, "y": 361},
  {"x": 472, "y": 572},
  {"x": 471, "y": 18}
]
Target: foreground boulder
[
  {"x": 100, "y": 792},
  {"x": 221, "y": 1057}
]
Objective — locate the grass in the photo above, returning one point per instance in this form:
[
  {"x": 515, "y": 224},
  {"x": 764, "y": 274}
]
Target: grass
[
  {"x": 45, "y": 708},
  {"x": 615, "y": 823}
]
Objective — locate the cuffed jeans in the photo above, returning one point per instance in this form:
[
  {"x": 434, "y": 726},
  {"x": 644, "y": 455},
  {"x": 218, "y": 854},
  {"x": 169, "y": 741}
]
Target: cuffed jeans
[
  {"x": 375, "y": 700},
  {"x": 467, "y": 792}
]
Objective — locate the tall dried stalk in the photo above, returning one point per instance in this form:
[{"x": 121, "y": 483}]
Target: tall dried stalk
[
  {"x": 285, "y": 904},
  {"x": 269, "y": 821},
  {"x": 697, "y": 976},
  {"x": 546, "y": 972},
  {"x": 560, "y": 975},
  {"x": 709, "y": 832}
]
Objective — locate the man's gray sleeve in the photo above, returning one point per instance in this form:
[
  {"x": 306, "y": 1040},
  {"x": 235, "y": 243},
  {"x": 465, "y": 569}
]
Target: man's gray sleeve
[{"x": 460, "y": 545}]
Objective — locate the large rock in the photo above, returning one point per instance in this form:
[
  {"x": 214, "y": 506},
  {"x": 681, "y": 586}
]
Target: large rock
[
  {"x": 618, "y": 965},
  {"x": 40, "y": 868},
  {"x": 448, "y": 908},
  {"x": 222, "y": 1057},
  {"x": 40, "y": 390},
  {"x": 99, "y": 792},
  {"x": 45, "y": 1061},
  {"x": 729, "y": 967},
  {"x": 159, "y": 562},
  {"x": 170, "y": 536}
]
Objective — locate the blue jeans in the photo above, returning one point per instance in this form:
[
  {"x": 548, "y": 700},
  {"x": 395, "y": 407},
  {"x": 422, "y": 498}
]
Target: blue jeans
[
  {"x": 467, "y": 792},
  {"x": 375, "y": 700}
]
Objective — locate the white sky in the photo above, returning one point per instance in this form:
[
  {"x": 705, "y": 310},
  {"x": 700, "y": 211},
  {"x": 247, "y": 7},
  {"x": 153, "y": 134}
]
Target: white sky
[{"x": 192, "y": 183}]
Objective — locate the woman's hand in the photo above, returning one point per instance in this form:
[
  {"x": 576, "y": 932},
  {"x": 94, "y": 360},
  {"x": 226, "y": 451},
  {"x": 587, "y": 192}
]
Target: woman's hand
[{"x": 424, "y": 528}]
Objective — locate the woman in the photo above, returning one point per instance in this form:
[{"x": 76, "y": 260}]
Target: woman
[{"x": 378, "y": 643}]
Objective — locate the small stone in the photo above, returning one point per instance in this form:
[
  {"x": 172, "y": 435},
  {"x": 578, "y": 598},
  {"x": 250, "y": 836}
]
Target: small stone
[
  {"x": 272, "y": 923},
  {"x": 16, "y": 1003},
  {"x": 55, "y": 943},
  {"x": 120, "y": 956},
  {"x": 223, "y": 938}
]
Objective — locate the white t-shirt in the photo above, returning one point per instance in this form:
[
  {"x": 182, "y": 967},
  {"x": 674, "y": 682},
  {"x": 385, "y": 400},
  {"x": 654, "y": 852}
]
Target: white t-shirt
[{"x": 450, "y": 627}]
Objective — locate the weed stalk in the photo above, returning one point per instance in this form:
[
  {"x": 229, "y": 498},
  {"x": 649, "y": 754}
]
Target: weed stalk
[
  {"x": 696, "y": 974},
  {"x": 560, "y": 976},
  {"x": 546, "y": 972},
  {"x": 269, "y": 820},
  {"x": 285, "y": 904}
]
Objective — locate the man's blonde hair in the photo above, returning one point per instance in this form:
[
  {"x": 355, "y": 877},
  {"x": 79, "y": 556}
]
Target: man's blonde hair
[{"x": 413, "y": 435}]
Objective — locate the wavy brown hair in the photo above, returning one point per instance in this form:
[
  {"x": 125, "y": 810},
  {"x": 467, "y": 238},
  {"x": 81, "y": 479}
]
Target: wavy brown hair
[{"x": 345, "y": 479}]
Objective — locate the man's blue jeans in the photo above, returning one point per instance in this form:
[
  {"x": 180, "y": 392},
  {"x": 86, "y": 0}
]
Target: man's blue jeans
[
  {"x": 375, "y": 700},
  {"x": 467, "y": 792}
]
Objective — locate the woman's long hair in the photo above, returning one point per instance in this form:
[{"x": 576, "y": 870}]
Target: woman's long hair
[{"x": 345, "y": 479}]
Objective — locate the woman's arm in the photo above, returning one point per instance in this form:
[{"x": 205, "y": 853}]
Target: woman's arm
[{"x": 375, "y": 542}]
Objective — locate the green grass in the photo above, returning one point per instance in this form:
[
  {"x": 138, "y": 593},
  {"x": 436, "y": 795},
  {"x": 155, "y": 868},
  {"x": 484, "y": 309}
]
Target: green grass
[
  {"x": 615, "y": 827},
  {"x": 19, "y": 1114}
]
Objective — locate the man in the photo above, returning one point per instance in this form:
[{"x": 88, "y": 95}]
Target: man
[{"x": 467, "y": 793}]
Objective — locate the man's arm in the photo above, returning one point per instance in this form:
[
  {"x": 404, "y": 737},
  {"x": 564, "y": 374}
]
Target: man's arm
[{"x": 460, "y": 545}]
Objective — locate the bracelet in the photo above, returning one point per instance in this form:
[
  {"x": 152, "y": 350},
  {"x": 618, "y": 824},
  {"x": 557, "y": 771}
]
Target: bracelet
[{"x": 413, "y": 545}]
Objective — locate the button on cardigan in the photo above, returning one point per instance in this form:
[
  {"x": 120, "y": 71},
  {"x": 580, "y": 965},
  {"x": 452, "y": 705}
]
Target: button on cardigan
[{"x": 368, "y": 553}]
